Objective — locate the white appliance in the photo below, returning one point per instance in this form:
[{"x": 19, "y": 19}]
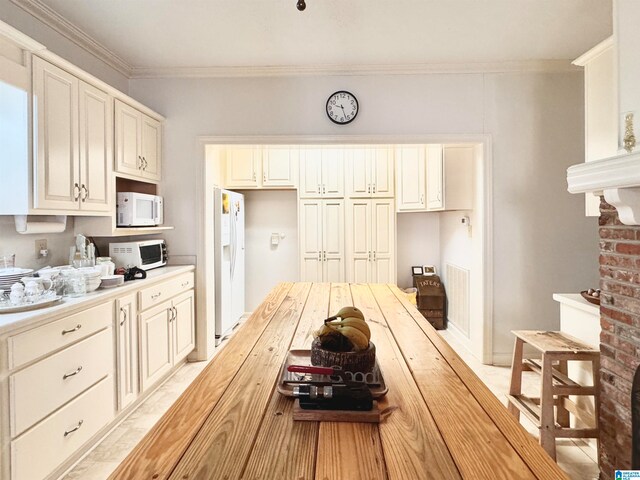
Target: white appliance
[
  {"x": 229, "y": 261},
  {"x": 139, "y": 210},
  {"x": 146, "y": 255}
]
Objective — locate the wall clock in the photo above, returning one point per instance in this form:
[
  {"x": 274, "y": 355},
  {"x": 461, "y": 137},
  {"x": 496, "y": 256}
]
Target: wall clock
[{"x": 342, "y": 107}]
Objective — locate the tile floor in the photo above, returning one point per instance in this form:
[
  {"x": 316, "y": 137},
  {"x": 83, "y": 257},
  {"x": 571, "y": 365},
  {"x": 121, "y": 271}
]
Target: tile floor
[{"x": 576, "y": 458}]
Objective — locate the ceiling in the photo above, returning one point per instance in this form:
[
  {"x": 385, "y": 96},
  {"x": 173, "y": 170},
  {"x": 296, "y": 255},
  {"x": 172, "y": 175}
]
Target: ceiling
[{"x": 229, "y": 33}]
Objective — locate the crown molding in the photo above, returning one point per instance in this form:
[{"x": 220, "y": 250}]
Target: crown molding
[
  {"x": 600, "y": 48},
  {"x": 65, "y": 28},
  {"x": 353, "y": 70}
]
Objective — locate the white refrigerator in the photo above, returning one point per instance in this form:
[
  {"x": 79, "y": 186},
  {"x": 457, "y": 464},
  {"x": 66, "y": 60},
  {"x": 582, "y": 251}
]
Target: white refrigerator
[{"x": 229, "y": 261}]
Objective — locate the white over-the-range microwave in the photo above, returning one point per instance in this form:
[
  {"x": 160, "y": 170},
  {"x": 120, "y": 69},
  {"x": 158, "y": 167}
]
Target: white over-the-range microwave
[{"x": 139, "y": 210}]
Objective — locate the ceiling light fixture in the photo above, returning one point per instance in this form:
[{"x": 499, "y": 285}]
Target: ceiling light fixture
[{"x": 301, "y": 5}]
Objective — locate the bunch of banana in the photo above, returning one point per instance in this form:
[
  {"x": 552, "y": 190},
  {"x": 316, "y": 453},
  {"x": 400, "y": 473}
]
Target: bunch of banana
[{"x": 348, "y": 324}]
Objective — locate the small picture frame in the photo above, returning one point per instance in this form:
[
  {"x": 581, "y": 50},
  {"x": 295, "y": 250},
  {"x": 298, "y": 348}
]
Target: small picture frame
[
  {"x": 429, "y": 270},
  {"x": 416, "y": 271}
]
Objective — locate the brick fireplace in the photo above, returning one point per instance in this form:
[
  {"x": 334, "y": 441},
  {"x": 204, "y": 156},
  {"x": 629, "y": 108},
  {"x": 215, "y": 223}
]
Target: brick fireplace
[{"x": 620, "y": 337}]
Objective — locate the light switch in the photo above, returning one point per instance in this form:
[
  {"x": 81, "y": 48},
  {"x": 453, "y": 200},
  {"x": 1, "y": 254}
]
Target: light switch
[{"x": 275, "y": 239}]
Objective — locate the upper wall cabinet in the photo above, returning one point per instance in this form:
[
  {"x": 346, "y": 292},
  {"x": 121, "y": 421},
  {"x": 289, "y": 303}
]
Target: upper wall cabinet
[
  {"x": 138, "y": 143},
  {"x": 369, "y": 172},
  {"x": 262, "y": 167},
  {"x": 243, "y": 167},
  {"x": 410, "y": 178},
  {"x": 73, "y": 148},
  {"x": 280, "y": 166},
  {"x": 322, "y": 173}
]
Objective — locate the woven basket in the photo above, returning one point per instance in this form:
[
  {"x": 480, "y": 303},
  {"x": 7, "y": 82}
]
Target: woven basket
[{"x": 363, "y": 361}]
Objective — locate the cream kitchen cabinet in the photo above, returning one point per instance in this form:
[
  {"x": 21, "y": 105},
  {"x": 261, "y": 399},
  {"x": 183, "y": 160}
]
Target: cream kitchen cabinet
[
  {"x": 370, "y": 172},
  {"x": 370, "y": 234},
  {"x": 411, "y": 189},
  {"x": 138, "y": 143},
  {"x": 280, "y": 166},
  {"x": 321, "y": 234},
  {"x": 249, "y": 167},
  {"x": 126, "y": 328},
  {"x": 244, "y": 165},
  {"x": 435, "y": 176},
  {"x": 73, "y": 142},
  {"x": 321, "y": 173},
  {"x": 450, "y": 174}
]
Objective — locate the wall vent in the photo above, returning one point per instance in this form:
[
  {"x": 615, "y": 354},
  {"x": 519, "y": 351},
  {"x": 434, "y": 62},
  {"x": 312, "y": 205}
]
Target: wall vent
[{"x": 456, "y": 284}]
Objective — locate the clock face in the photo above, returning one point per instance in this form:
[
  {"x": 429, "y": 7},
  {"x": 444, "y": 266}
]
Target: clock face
[{"x": 342, "y": 107}]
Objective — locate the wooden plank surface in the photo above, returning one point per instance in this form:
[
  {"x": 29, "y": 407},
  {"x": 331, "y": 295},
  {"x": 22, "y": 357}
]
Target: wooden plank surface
[
  {"x": 223, "y": 444},
  {"x": 527, "y": 447},
  {"x": 160, "y": 450},
  {"x": 554, "y": 342},
  {"x": 411, "y": 441},
  {"x": 297, "y": 440}
]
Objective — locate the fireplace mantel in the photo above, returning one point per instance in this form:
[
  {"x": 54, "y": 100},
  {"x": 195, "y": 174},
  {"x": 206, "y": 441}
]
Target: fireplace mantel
[{"x": 617, "y": 178}]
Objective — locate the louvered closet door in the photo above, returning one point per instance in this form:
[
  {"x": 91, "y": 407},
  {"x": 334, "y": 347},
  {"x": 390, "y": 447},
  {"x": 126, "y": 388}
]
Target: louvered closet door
[
  {"x": 310, "y": 231},
  {"x": 333, "y": 241},
  {"x": 383, "y": 241},
  {"x": 358, "y": 233}
]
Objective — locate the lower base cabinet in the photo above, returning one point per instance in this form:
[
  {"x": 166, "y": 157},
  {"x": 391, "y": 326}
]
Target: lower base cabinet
[{"x": 127, "y": 350}]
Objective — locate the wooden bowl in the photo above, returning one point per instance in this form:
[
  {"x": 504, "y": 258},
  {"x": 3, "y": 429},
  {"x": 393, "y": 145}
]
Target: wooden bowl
[
  {"x": 363, "y": 361},
  {"x": 590, "y": 298}
]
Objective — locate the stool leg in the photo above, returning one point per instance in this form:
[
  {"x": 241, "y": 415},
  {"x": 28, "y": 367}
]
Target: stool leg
[
  {"x": 562, "y": 414},
  {"x": 547, "y": 420},
  {"x": 515, "y": 388}
]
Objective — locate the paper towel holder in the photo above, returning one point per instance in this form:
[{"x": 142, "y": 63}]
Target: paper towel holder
[{"x": 25, "y": 227}]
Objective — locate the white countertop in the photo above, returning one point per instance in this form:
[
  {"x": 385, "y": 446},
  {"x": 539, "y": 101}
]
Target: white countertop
[
  {"x": 575, "y": 300},
  {"x": 11, "y": 322}
]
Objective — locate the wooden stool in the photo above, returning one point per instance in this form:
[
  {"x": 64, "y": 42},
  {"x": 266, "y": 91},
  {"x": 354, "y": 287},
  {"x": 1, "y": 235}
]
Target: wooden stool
[{"x": 557, "y": 349}]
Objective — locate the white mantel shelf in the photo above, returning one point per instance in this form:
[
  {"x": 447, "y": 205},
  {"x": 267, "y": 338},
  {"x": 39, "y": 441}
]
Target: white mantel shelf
[{"x": 617, "y": 178}]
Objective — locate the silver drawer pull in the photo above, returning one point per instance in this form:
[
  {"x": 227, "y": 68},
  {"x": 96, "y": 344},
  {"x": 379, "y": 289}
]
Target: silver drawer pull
[
  {"x": 77, "y": 427},
  {"x": 185, "y": 283},
  {"x": 67, "y": 375},
  {"x": 153, "y": 297},
  {"x": 124, "y": 312},
  {"x": 78, "y": 327}
]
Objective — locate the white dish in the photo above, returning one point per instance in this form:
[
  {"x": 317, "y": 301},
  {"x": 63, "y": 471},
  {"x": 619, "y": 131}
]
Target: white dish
[
  {"x": 111, "y": 281},
  {"x": 30, "y": 306}
]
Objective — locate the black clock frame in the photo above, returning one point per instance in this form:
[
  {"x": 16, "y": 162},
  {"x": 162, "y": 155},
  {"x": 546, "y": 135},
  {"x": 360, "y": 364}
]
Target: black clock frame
[{"x": 326, "y": 108}]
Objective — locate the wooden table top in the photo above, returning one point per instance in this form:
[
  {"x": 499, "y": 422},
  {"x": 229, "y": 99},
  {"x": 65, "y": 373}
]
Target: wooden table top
[{"x": 439, "y": 420}]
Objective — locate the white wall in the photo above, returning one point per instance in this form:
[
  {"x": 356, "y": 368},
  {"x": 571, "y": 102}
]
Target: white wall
[
  {"x": 418, "y": 243},
  {"x": 267, "y": 212}
]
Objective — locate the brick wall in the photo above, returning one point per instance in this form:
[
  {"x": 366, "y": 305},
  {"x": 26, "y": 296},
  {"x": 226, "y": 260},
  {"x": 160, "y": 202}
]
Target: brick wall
[{"x": 620, "y": 337}]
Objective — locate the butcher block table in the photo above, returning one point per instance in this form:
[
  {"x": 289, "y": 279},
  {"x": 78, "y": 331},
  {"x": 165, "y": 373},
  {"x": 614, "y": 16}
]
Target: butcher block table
[{"x": 438, "y": 419}]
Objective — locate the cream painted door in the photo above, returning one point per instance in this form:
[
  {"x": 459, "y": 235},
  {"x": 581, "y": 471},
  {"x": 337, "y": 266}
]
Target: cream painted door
[
  {"x": 128, "y": 125},
  {"x": 333, "y": 258},
  {"x": 333, "y": 172},
  {"x": 381, "y": 172},
  {"x": 310, "y": 173},
  {"x": 435, "y": 177},
  {"x": 96, "y": 148},
  {"x": 410, "y": 179},
  {"x": 358, "y": 173},
  {"x": 310, "y": 231},
  {"x": 151, "y": 148},
  {"x": 358, "y": 237},
  {"x": 383, "y": 228},
  {"x": 280, "y": 166},
  {"x": 127, "y": 350},
  {"x": 57, "y": 178},
  {"x": 243, "y": 164},
  {"x": 184, "y": 339},
  {"x": 156, "y": 340}
]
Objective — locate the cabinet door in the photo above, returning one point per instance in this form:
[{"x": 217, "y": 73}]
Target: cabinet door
[
  {"x": 333, "y": 172},
  {"x": 410, "y": 179},
  {"x": 333, "y": 269},
  {"x": 458, "y": 177},
  {"x": 310, "y": 173},
  {"x": 383, "y": 241},
  {"x": 358, "y": 174},
  {"x": 96, "y": 148},
  {"x": 435, "y": 177},
  {"x": 280, "y": 166},
  {"x": 57, "y": 176},
  {"x": 128, "y": 125},
  {"x": 310, "y": 231},
  {"x": 151, "y": 148},
  {"x": 381, "y": 167},
  {"x": 155, "y": 344},
  {"x": 184, "y": 338},
  {"x": 358, "y": 240},
  {"x": 127, "y": 350},
  {"x": 243, "y": 164}
]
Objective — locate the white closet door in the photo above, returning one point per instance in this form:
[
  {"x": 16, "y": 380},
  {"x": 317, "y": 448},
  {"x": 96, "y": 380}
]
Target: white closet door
[
  {"x": 310, "y": 173},
  {"x": 383, "y": 241},
  {"x": 381, "y": 167},
  {"x": 333, "y": 172},
  {"x": 358, "y": 174},
  {"x": 243, "y": 164},
  {"x": 410, "y": 164},
  {"x": 333, "y": 241},
  {"x": 358, "y": 234},
  {"x": 310, "y": 231}
]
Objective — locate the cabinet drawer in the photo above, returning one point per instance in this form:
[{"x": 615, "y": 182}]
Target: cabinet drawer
[
  {"x": 161, "y": 292},
  {"x": 38, "y": 390},
  {"x": 38, "y": 452},
  {"x": 40, "y": 341}
]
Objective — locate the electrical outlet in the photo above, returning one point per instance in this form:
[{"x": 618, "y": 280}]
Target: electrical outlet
[{"x": 40, "y": 245}]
